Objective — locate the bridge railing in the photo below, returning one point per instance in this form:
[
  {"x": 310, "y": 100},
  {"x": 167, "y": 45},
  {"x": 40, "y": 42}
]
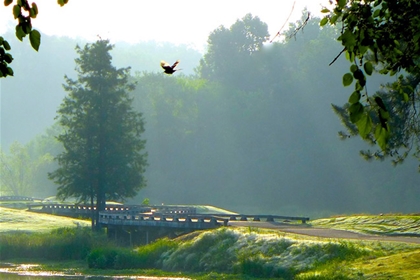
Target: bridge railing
[
  {"x": 267, "y": 218},
  {"x": 174, "y": 209},
  {"x": 17, "y": 198},
  {"x": 163, "y": 220},
  {"x": 56, "y": 207},
  {"x": 118, "y": 208}
]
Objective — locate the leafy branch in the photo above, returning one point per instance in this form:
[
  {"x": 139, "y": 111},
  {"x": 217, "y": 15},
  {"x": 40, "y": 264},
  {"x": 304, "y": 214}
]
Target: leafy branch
[
  {"x": 23, "y": 13},
  {"x": 380, "y": 36}
]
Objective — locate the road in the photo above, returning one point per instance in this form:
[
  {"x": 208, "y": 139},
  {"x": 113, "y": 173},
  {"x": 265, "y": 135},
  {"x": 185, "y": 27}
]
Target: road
[{"x": 323, "y": 232}]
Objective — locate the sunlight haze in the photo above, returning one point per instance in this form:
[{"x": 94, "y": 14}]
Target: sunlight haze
[{"x": 186, "y": 22}]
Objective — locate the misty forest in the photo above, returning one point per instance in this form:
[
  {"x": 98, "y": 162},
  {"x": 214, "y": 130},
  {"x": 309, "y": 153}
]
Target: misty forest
[{"x": 248, "y": 125}]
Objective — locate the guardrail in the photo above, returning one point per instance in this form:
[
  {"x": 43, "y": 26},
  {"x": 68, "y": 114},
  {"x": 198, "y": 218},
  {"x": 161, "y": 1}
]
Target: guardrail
[
  {"x": 16, "y": 198},
  {"x": 75, "y": 210},
  {"x": 268, "y": 218},
  {"x": 190, "y": 221}
]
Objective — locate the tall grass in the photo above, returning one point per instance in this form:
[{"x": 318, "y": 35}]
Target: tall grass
[
  {"x": 59, "y": 244},
  {"x": 148, "y": 256},
  {"x": 261, "y": 254},
  {"x": 242, "y": 252},
  {"x": 233, "y": 252}
]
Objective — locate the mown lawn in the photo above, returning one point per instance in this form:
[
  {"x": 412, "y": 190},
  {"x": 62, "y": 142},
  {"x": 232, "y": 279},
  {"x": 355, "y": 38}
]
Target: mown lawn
[{"x": 22, "y": 220}]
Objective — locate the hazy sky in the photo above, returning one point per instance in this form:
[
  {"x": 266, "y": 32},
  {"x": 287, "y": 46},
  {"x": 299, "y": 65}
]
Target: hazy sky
[{"x": 181, "y": 22}]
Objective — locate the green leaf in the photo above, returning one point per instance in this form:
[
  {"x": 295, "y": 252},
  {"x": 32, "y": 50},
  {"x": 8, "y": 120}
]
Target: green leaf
[
  {"x": 358, "y": 86},
  {"x": 7, "y": 2},
  {"x": 8, "y": 58},
  {"x": 353, "y": 68},
  {"x": 19, "y": 32},
  {"x": 341, "y": 3},
  {"x": 33, "y": 11},
  {"x": 362, "y": 50},
  {"x": 354, "y": 97},
  {"x": 6, "y": 45},
  {"x": 16, "y": 11},
  {"x": 381, "y": 136},
  {"x": 348, "y": 40},
  {"x": 368, "y": 68},
  {"x": 9, "y": 71},
  {"x": 333, "y": 19},
  {"x": 384, "y": 115},
  {"x": 364, "y": 125},
  {"x": 347, "y": 79},
  {"x": 356, "y": 111},
  {"x": 323, "y": 21},
  {"x": 405, "y": 96},
  {"x": 62, "y": 2},
  {"x": 350, "y": 55},
  {"x": 377, "y": 3},
  {"x": 325, "y": 10},
  {"x": 35, "y": 38}
]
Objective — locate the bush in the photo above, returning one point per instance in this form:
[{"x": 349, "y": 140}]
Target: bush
[
  {"x": 148, "y": 256},
  {"x": 60, "y": 244},
  {"x": 103, "y": 258}
]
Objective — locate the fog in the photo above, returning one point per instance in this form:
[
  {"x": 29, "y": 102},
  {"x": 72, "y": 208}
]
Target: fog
[{"x": 257, "y": 136}]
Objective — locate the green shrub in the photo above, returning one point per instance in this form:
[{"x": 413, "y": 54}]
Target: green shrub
[
  {"x": 152, "y": 255},
  {"x": 60, "y": 244},
  {"x": 148, "y": 256},
  {"x": 102, "y": 258}
]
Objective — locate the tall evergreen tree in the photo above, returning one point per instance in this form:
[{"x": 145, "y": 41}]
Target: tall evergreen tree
[{"x": 103, "y": 156}]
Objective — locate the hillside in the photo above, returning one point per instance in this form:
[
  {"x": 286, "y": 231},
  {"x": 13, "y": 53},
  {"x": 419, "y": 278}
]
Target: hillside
[{"x": 22, "y": 220}]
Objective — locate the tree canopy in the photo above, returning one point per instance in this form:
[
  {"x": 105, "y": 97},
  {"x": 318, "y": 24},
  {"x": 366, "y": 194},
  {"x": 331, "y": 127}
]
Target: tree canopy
[
  {"x": 380, "y": 36},
  {"x": 19, "y": 170},
  {"x": 103, "y": 156},
  {"x": 231, "y": 52}
]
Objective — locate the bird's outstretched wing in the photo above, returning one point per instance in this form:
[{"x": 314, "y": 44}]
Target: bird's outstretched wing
[
  {"x": 175, "y": 64},
  {"x": 164, "y": 64}
]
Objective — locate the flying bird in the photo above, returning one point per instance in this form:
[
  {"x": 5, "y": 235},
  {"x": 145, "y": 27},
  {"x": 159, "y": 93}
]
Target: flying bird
[{"x": 168, "y": 68}]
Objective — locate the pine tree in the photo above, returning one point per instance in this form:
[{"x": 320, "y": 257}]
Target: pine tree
[{"x": 103, "y": 156}]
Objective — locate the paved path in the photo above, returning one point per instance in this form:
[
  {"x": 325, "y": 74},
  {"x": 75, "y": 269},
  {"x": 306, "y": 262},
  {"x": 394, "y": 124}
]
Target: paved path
[{"x": 323, "y": 232}]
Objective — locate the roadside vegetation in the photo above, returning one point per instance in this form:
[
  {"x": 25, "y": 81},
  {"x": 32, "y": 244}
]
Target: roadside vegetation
[
  {"x": 389, "y": 224},
  {"x": 225, "y": 252}
]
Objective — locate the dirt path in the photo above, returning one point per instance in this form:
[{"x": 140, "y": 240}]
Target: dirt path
[{"x": 323, "y": 232}]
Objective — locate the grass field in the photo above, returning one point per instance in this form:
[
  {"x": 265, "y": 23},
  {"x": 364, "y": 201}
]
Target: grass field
[
  {"x": 390, "y": 224},
  {"x": 23, "y": 220}
]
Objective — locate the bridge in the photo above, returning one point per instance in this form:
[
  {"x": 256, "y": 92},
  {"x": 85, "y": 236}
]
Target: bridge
[
  {"x": 141, "y": 228},
  {"x": 138, "y": 224}
]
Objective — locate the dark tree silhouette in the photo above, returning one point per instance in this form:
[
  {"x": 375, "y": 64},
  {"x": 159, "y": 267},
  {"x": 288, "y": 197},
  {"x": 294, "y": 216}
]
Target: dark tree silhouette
[{"x": 103, "y": 155}]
